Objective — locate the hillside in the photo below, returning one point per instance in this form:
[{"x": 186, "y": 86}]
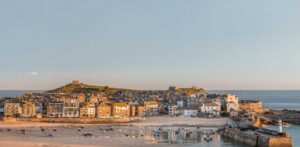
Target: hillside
[{"x": 76, "y": 87}]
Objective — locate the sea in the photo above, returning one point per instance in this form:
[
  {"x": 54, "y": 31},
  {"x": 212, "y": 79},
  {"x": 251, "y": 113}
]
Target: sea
[{"x": 272, "y": 99}]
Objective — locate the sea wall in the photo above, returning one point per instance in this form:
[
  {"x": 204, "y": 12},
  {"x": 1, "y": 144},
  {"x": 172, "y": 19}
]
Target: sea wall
[
  {"x": 251, "y": 139},
  {"x": 251, "y": 106},
  {"x": 79, "y": 120}
]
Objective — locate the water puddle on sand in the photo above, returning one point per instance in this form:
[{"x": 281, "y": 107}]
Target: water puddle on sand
[
  {"x": 183, "y": 136},
  {"x": 127, "y": 135}
]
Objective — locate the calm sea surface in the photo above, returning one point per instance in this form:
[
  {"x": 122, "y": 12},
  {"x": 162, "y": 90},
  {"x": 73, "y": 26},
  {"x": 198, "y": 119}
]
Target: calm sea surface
[{"x": 14, "y": 93}]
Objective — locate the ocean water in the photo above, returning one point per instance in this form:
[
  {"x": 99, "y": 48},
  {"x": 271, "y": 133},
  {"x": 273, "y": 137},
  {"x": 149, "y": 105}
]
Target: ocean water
[
  {"x": 272, "y": 99},
  {"x": 15, "y": 93}
]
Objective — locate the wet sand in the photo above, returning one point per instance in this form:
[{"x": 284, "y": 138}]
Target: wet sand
[{"x": 27, "y": 134}]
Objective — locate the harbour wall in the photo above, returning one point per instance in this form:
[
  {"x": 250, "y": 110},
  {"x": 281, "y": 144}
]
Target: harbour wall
[{"x": 251, "y": 139}]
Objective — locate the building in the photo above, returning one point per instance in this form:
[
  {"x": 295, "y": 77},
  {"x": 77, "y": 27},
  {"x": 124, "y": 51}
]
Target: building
[
  {"x": 55, "y": 109},
  {"x": 231, "y": 107},
  {"x": 151, "y": 108},
  {"x": 173, "y": 110},
  {"x": 1, "y": 107},
  {"x": 121, "y": 110},
  {"x": 12, "y": 109},
  {"x": 39, "y": 108},
  {"x": 180, "y": 103},
  {"x": 141, "y": 111},
  {"x": 190, "y": 112},
  {"x": 93, "y": 99},
  {"x": 81, "y": 98},
  {"x": 133, "y": 110},
  {"x": 28, "y": 109},
  {"x": 230, "y": 103},
  {"x": 88, "y": 111},
  {"x": 71, "y": 108},
  {"x": 251, "y": 106},
  {"x": 210, "y": 108},
  {"x": 103, "y": 97},
  {"x": 103, "y": 111}
]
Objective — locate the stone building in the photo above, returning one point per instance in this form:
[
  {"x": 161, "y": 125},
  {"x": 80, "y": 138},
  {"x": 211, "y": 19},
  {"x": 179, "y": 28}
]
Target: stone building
[
  {"x": 141, "y": 111},
  {"x": 12, "y": 109},
  {"x": 103, "y": 97},
  {"x": 55, "y": 109},
  {"x": 88, "y": 111},
  {"x": 93, "y": 99},
  {"x": 71, "y": 108},
  {"x": 103, "y": 111},
  {"x": 251, "y": 106},
  {"x": 151, "y": 108},
  {"x": 28, "y": 109},
  {"x": 121, "y": 110},
  {"x": 230, "y": 103},
  {"x": 210, "y": 108}
]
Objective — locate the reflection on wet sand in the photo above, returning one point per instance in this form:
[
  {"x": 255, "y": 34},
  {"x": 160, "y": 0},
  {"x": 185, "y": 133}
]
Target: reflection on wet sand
[
  {"x": 181, "y": 135},
  {"x": 113, "y": 135}
]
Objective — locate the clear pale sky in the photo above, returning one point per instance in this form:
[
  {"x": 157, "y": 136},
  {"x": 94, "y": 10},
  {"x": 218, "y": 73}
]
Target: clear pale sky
[{"x": 228, "y": 44}]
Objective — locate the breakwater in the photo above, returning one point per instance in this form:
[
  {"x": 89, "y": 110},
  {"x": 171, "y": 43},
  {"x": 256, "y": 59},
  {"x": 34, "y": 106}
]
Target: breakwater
[{"x": 258, "y": 140}]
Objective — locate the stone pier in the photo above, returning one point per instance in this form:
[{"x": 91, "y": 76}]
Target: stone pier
[{"x": 250, "y": 138}]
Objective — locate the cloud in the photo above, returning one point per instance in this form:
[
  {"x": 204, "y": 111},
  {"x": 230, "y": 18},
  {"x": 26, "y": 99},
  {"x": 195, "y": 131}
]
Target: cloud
[{"x": 33, "y": 73}]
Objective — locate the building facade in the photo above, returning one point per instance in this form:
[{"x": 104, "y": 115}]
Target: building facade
[
  {"x": 55, "y": 109},
  {"x": 151, "y": 108},
  {"x": 88, "y": 111},
  {"x": 71, "y": 109},
  {"x": 210, "y": 108},
  {"x": 28, "y": 109},
  {"x": 103, "y": 111},
  {"x": 12, "y": 109},
  {"x": 121, "y": 110}
]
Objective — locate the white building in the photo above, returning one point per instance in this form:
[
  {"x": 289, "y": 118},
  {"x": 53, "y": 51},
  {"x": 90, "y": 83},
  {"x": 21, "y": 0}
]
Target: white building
[
  {"x": 190, "y": 112},
  {"x": 71, "y": 109},
  {"x": 231, "y": 107},
  {"x": 210, "y": 108},
  {"x": 231, "y": 103},
  {"x": 173, "y": 110}
]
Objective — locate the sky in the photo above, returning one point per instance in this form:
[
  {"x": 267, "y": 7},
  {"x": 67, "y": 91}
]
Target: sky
[{"x": 224, "y": 45}]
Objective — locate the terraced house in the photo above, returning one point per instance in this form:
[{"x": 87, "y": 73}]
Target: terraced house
[
  {"x": 151, "y": 108},
  {"x": 12, "y": 109},
  {"x": 71, "y": 108},
  {"x": 28, "y": 109},
  {"x": 88, "y": 111},
  {"x": 121, "y": 110},
  {"x": 55, "y": 109},
  {"x": 103, "y": 111}
]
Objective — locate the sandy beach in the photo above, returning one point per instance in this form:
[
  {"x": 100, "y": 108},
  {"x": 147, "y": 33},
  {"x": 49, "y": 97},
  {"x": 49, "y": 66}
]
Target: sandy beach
[{"x": 26, "y": 134}]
